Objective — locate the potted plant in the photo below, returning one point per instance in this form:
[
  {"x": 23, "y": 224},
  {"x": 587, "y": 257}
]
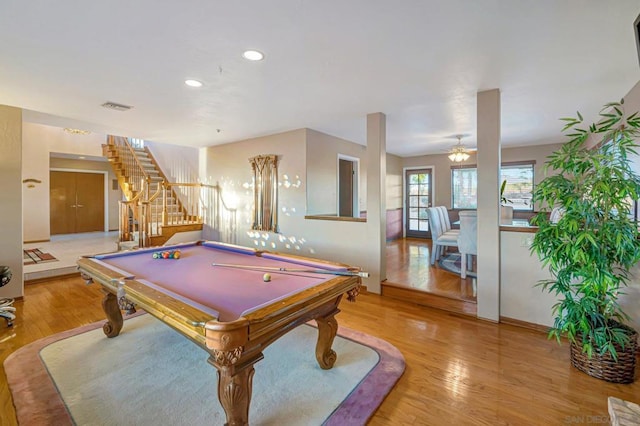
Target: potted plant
[
  {"x": 592, "y": 247},
  {"x": 506, "y": 212}
]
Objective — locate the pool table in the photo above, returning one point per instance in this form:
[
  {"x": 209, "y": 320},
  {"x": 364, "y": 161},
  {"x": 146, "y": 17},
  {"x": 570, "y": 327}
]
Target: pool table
[{"x": 216, "y": 295}]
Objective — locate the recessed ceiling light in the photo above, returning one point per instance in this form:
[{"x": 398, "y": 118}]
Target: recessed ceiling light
[
  {"x": 253, "y": 55},
  {"x": 193, "y": 83}
]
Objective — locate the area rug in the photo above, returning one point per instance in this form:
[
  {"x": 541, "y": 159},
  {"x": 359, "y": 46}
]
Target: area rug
[
  {"x": 150, "y": 374},
  {"x": 451, "y": 262},
  {"x": 33, "y": 256}
]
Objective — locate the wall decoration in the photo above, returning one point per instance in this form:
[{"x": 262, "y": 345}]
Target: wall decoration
[
  {"x": 31, "y": 182},
  {"x": 265, "y": 192}
]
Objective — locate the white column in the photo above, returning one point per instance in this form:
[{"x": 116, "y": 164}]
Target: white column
[
  {"x": 376, "y": 197},
  {"x": 11, "y": 205},
  {"x": 488, "y": 122}
]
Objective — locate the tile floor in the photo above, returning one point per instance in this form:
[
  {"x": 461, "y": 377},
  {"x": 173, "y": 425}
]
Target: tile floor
[{"x": 67, "y": 249}]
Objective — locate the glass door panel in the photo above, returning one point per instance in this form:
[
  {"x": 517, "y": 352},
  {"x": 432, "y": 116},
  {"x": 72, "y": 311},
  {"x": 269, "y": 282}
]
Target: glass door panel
[{"x": 418, "y": 198}]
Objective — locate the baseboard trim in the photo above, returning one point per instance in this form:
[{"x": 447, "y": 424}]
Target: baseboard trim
[
  {"x": 524, "y": 324},
  {"x": 430, "y": 300},
  {"x": 36, "y": 241},
  {"x": 51, "y": 278}
]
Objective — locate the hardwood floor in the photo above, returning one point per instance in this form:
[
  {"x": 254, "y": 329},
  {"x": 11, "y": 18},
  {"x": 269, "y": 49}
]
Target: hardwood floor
[
  {"x": 459, "y": 370},
  {"x": 408, "y": 266},
  {"x": 410, "y": 277}
]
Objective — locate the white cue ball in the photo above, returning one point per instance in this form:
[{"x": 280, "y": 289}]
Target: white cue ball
[{"x": 266, "y": 278}]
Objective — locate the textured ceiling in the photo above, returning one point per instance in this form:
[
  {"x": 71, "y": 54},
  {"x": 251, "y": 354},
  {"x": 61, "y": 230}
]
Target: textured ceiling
[{"x": 328, "y": 64}]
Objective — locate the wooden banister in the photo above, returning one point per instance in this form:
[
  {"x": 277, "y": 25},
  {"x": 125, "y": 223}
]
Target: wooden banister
[{"x": 148, "y": 209}]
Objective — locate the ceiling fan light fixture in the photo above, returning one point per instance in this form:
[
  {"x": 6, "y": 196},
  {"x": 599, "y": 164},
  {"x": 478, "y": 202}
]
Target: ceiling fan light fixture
[{"x": 459, "y": 153}]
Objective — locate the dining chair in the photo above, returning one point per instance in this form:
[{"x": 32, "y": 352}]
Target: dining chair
[
  {"x": 556, "y": 214},
  {"x": 439, "y": 237},
  {"x": 444, "y": 217},
  {"x": 467, "y": 240}
]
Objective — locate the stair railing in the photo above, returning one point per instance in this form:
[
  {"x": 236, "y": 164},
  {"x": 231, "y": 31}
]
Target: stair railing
[
  {"x": 135, "y": 219},
  {"x": 203, "y": 203},
  {"x": 135, "y": 222},
  {"x": 136, "y": 175},
  {"x": 143, "y": 214}
]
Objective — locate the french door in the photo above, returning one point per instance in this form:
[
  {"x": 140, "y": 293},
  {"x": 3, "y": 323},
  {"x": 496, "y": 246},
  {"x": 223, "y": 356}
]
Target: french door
[{"x": 418, "y": 190}]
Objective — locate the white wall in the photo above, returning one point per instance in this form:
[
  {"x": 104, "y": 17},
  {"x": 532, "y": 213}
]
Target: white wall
[
  {"x": 11, "y": 205},
  {"x": 630, "y": 299},
  {"x": 113, "y": 195},
  {"x": 331, "y": 240},
  {"x": 520, "y": 271},
  {"x": 38, "y": 141},
  {"x": 394, "y": 182},
  {"x": 322, "y": 171},
  {"x": 178, "y": 163},
  {"x": 441, "y": 174},
  {"x": 442, "y": 164},
  {"x": 322, "y": 152},
  {"x": 538, "y": 153}
]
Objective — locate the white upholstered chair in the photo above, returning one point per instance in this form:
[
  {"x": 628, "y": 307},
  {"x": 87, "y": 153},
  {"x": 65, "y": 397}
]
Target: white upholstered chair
[
  {"x": 556, "y": 214},
  {"x": 467, "y": 240},
  {"x": 439, "y": 237},
  {"x": 444, "y": 219}
]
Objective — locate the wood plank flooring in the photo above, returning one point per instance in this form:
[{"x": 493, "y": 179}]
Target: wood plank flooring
[
  {"x": 459, "y": 370},
  {"x": 410, "y": 277},
  {"x": 408, "y": 266}
]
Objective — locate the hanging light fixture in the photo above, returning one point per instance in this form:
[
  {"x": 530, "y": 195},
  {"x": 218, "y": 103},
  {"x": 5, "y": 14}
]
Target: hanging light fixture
[{"x": 458, "y": 153}]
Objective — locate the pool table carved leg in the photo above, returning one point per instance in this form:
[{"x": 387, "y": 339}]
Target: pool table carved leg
[
  {"x": 353, "y": 293},
  {"x": 327, "y": 329},
  {"x": 114, "y": 317},
  {"x": 234, "y": 393}
]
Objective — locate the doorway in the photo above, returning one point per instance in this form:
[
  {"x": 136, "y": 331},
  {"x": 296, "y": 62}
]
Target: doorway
[
  {"x": 76, "y": 202},
  {"x": 348, "y": 177},
  {"x": 418, "y": 190}
]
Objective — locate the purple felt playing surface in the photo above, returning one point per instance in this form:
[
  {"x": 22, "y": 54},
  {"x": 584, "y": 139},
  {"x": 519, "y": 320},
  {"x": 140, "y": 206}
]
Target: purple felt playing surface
[{"x": 231, "y": 292}]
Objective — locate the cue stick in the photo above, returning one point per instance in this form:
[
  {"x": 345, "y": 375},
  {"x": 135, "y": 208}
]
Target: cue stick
[{"x": 276, "y": 269}]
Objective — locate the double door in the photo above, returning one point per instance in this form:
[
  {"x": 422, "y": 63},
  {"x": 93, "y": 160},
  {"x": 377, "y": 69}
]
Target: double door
[{"x": 76, "y": 202}]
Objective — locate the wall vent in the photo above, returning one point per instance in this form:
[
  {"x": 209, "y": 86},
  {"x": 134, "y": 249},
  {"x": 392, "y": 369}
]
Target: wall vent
[{"x": 117, "y": 107}]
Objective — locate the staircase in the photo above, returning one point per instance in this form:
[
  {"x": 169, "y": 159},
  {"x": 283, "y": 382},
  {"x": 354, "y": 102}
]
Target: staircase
[{"x": 154, "y": 209}]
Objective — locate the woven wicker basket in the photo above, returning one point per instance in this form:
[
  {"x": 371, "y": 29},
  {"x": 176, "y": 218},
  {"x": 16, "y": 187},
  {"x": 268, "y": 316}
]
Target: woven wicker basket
[{"x": 605, "y": 367}]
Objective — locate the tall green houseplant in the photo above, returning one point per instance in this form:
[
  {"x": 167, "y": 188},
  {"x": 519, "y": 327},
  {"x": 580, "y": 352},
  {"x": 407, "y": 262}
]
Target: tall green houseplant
[{"x": 591, "y": 248}]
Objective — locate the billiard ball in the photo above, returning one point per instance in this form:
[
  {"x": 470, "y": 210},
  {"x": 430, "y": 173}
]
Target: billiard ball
[{"x": 266, "y": 278}]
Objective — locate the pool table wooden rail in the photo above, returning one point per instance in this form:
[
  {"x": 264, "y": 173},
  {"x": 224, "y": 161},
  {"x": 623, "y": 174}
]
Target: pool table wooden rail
[
  {"x": 234, "y": 346},
  {"x": 305, "y": 305},
  {"x": 177, "y": 314},
  {"x": 204, "y": 328}
]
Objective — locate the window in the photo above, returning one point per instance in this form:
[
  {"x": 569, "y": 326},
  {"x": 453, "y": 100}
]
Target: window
[
  {"x": 464, "y": 188},
  {"x": 518, "y": 190}
]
